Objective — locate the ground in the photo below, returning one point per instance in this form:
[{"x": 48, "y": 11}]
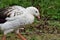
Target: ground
[{"x": 35, "y": 37}]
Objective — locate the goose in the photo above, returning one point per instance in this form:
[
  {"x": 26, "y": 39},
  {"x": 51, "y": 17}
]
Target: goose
[{"x": 14, "y": 23}]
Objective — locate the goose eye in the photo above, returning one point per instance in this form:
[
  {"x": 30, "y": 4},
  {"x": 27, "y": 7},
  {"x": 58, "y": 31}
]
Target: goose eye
[{"x": 36, "y": 11}]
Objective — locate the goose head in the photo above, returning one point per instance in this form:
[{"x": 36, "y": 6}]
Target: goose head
[{"x": 34, "y": 11}]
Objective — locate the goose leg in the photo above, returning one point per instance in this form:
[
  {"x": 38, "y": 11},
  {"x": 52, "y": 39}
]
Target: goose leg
[
  {"x": 20, "y": 36},
  {"x": 5, "y": 33},
  {"x": 4, "y": 37}
]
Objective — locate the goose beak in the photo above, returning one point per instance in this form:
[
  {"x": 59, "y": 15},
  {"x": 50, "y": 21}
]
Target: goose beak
[{"x": 38, "y": 17}]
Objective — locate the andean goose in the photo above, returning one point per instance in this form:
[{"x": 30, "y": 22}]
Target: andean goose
[{"x": 14, "y": 23}]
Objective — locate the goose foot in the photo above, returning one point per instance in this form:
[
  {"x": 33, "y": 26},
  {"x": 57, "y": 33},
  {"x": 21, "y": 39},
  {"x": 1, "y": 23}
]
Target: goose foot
[{"x": 20, "y": 36}]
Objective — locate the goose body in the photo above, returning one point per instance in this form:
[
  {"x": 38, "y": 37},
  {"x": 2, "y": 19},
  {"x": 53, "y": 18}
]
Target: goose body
[{"x": 16, "y": 22}]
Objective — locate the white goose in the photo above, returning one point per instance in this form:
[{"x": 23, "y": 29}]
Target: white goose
[{"x": 14, "y": 23}]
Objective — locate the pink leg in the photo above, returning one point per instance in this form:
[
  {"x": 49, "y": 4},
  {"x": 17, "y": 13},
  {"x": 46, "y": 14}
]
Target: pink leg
[
  {"x": 20, "y": 36},
  {"x": 4, "y": 37}
]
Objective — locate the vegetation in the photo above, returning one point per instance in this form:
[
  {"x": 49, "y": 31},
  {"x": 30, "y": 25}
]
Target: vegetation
[{"x": 48, "y": 28}]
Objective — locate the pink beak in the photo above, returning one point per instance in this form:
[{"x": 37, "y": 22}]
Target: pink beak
[{"x": 38, "y": 17}]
